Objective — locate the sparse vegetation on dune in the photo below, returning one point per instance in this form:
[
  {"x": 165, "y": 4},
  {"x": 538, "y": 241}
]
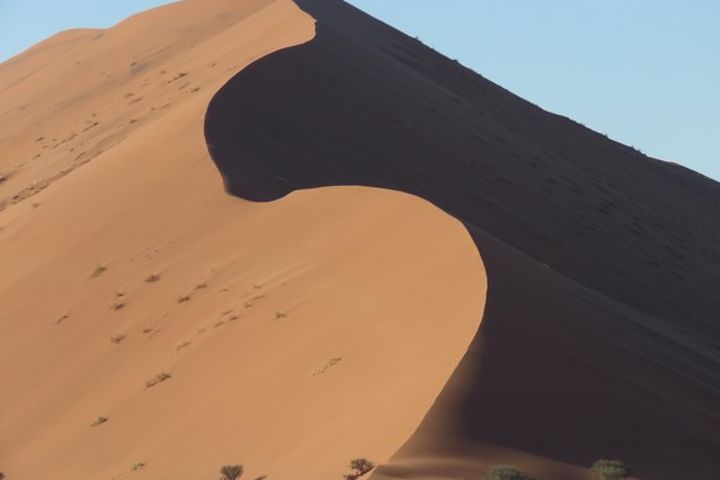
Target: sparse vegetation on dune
[
  {"x": 605, "y": 469},
  {"x": 117, "y": 305},
  {"x": 99, "y": 270},
  {"x": 505, "y": 472},
  {"x": 231, "y": 472},
  {"x": 359, "y": 467},
  {"x": 99, "y": 421},
  {"x": 137, "y": 466},
  {"x": 330, "y": 363},
  {"x": 183, "y": 298},
  {"x": 159, "y": 378},
  {"x": 152, "y": 278}
]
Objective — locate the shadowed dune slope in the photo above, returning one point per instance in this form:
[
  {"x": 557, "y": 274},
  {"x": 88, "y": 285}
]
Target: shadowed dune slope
[
  {"x": 296, "y": 335},
  {"x": 601, "y": 335}
]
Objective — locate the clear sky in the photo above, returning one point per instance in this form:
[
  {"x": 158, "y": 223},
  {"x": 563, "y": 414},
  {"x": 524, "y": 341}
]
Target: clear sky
[{"x": 645, "y": 72}]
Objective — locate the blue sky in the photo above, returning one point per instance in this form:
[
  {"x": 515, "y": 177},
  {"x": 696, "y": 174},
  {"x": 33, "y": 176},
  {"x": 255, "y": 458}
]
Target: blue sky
[{"x": 645, "y": 72}]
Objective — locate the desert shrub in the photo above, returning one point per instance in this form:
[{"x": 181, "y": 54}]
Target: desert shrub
[
  {"x": 610, "y": 470},
  {"x": 159, "y": 378},
  {"x": 505, "y": 472},
  {"x": 183, "y": 298},
  {"x": 330, "y": 363},
  {"x": 99, "y": 421},
  {"x": 117, "y": 305},
  {"x": 359, "y": 467},
  {"x": 231, "y": 472},
  {"x": 137, "y": 466},
  {"x": 152, "y": 278},
  {"x": 98, "y": 271}
]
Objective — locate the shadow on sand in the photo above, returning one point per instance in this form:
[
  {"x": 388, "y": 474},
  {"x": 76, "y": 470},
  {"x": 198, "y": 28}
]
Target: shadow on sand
[{"x": 579, "y": 354}]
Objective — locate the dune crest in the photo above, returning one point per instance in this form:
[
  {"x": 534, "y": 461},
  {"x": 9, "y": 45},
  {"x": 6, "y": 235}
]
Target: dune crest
[
  {"x": 152, "y": 326},
  {"x": 599, "y": 338}
]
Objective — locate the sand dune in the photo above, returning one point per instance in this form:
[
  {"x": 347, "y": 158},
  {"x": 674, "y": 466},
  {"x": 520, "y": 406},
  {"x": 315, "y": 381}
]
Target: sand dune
[
  {"x": 599, "y": 338},
  {"x": 287, "y": 329},
  {"x": 339, "y": 319}
]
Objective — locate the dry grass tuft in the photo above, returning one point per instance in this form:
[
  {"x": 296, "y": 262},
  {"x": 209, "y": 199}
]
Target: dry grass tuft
[
  {"x": 152, "y": 278},
  {"x": 159, "y": 378},
  {"x": 231, "y": 472},
  {"x": 99, "y": 421},
  {"x": 117, "y": 305},
  {"x": 99, "y": 270},
  {"x": 359, "y": 467},
  {"x": 324, "y": 368}
]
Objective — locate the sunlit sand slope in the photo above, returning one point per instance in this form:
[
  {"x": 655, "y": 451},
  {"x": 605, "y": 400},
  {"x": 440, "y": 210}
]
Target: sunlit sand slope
[{"x": 152, "y": 326}]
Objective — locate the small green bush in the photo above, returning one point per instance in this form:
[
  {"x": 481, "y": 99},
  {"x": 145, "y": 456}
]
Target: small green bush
[
  {"x": 610, "y": 470},
  {"x": 231, "y": 472},
  {"x": 505, "y": 472}
]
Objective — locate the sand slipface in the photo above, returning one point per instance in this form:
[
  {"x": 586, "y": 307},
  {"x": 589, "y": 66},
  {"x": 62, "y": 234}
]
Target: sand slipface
[
  {"x": 153, "y": 326},
  {"x": 599, "y": 337}
]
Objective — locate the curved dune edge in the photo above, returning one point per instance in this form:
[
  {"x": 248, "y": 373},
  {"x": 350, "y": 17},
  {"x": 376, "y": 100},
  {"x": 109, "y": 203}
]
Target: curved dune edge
[
  {"x": 570, "y": 353},
  {"x": 334, "y": 301}
]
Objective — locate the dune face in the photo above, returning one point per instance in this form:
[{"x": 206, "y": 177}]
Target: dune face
[
  {"x": 600, "y": 336},
  {"x": 152, "y": 326}
]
